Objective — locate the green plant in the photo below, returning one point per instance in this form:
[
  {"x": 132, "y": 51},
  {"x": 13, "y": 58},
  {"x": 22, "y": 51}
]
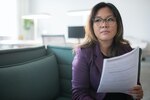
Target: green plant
[{"x": 28, "y": 24}]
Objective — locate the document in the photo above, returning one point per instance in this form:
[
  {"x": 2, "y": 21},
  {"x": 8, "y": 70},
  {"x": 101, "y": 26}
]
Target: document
[{"x": 120, "y": 73}]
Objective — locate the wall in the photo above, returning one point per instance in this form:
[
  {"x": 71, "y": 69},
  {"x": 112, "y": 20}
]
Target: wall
[
  {"x": 134, "y": 14},
  {"x": 8, "y": 18}
]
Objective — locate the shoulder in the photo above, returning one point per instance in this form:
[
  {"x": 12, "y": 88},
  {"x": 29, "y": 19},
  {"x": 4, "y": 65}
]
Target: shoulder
[
  {"x": 82, "y": 56},
  {"x": 84, "y": 51},
  {"x": 125, "y": 47}
]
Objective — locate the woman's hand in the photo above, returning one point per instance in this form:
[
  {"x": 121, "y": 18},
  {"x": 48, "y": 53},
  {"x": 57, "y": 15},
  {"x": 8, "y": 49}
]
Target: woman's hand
[{"x": 137, "y": 92}]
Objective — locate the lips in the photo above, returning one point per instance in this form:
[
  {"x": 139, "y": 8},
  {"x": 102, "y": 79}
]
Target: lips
[{"x": 104, "y": 32}]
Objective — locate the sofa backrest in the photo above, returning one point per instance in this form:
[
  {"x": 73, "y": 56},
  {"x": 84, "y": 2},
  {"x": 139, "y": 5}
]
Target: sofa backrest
[
  {"x": 64, "y": 57},
  {"x": 31, "y": 75},
  {"x": 14, "y": 56}
]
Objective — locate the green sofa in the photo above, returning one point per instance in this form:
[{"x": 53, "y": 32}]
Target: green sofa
[{"x": 36, "y": 73}]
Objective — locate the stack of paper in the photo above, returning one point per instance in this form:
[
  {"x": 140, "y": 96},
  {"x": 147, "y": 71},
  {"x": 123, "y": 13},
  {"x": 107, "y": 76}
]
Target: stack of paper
[{"x": 120, "y": 73}]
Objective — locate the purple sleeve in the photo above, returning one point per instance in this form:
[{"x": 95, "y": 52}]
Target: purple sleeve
[{"x": 80, "y": 76}]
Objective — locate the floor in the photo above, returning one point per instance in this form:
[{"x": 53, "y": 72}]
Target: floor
[{"x": 145, "y": 78}]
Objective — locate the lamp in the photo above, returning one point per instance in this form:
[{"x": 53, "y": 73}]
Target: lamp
[
  {"x": 83, "y": 13},
  {"x": 78, "y": 12}
]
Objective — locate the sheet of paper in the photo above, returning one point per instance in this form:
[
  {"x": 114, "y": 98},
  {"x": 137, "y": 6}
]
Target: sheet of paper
[{"x": 120, "y": 73}]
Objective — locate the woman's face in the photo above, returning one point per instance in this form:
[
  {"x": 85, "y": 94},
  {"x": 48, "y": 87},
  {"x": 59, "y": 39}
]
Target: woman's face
[{"x": 105, "y": 25}]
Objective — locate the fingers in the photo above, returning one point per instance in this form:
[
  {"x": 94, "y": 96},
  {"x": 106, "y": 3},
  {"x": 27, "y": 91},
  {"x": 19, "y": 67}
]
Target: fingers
[{"x": 137, "y": 92}]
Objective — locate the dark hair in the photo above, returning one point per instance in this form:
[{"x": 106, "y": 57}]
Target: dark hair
[{"x": 90, "y": 37}]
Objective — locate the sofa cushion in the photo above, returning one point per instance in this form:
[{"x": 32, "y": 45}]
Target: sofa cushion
[
  {"x": 35, "y": 80},
  {"x": 64, "y": 57},
  {"x": 13, "y": 56}
]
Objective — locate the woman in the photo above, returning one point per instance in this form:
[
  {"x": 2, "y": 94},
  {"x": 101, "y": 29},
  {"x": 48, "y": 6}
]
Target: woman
[{"x": 103, "y": 39}]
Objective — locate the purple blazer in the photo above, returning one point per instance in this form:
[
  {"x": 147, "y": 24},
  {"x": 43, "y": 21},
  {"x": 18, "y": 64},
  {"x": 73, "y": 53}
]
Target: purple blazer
[{"x": 86, "y": 72}]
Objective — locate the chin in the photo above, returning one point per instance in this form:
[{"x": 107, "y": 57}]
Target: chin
[{"x": 106, "y": 39}]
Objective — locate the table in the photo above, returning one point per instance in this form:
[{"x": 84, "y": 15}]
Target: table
[{"x": 19, "y": 43}]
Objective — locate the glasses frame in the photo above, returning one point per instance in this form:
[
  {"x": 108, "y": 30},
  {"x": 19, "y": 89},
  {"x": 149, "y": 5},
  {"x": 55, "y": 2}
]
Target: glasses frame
[{"x": 99, "y": 21}]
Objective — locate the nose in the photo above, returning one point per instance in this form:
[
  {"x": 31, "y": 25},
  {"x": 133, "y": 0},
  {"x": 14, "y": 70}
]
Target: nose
[{"x": 104, "y": 24}]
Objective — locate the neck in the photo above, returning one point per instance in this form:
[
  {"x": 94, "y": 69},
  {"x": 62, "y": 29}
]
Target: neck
[{"x": 105, "y": 47}]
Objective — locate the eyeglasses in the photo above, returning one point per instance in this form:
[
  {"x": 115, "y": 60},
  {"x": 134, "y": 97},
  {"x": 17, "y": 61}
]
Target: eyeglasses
[{"x": 100, "y": 21}]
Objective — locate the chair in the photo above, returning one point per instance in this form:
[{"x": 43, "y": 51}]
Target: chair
[{"x": 56, "y": 40}]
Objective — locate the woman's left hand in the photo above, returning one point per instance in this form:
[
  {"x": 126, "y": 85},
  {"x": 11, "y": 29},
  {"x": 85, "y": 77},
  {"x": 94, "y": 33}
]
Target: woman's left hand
[{"x": 137, "y": 92}]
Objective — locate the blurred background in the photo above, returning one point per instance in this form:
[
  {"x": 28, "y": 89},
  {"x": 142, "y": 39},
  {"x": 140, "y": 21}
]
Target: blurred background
[
  {"x": 29, "y": 19},
  {"x": 25, "y": 23}
]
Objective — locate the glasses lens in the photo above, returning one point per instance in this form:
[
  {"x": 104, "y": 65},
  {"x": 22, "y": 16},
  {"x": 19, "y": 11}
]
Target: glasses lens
[{"x": 100, "y": 21}]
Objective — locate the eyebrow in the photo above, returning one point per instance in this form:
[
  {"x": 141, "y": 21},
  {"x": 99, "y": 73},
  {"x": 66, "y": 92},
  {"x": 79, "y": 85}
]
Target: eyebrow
[{"x": 105, "y": 18}]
